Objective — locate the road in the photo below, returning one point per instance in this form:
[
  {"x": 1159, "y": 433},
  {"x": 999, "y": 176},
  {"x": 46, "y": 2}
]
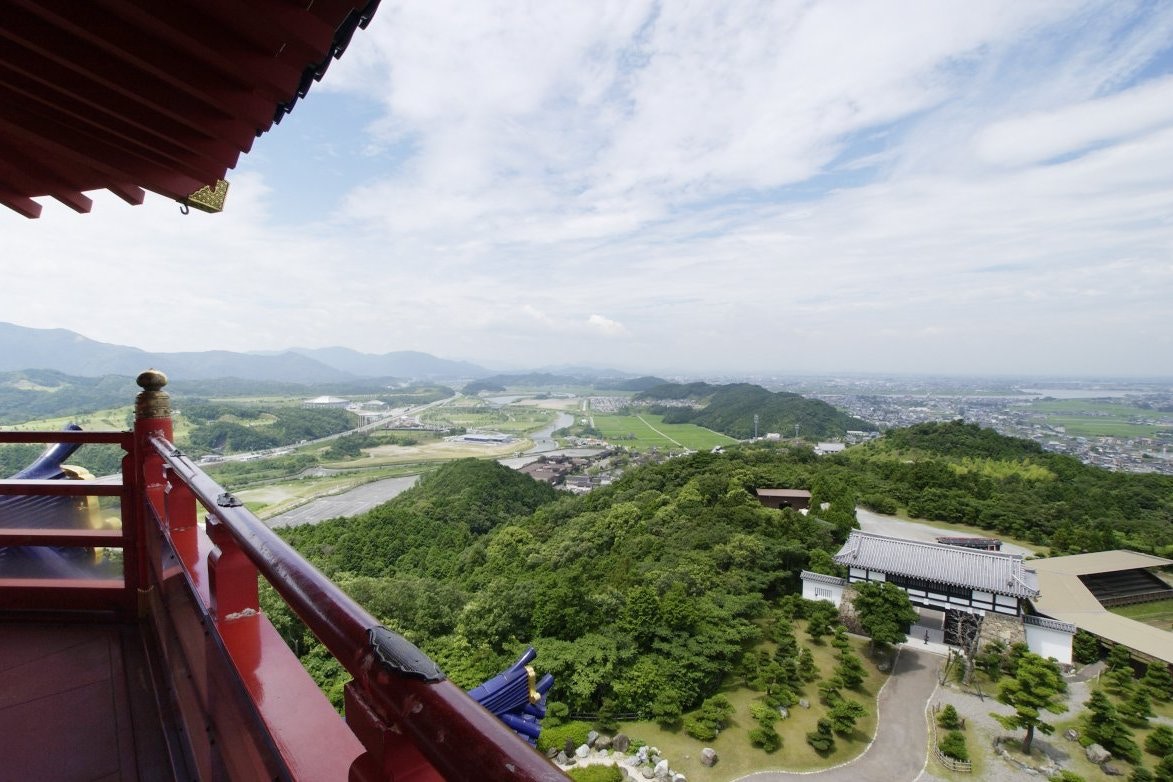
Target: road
[
  {"x": 281, "y": 450},
  {"x": 915, "y": 530},
  {"x": 900, "y": 748},
  {"x": 349, "y": 503},
  {"x": 657, "y": 431}
]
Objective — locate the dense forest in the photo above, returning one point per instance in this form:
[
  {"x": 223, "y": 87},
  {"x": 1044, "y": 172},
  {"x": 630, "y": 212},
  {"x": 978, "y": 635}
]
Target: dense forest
[
  {"x": 642, "y": 595},
  {"x": 44, "y": 393},
  {"x": 233, "y": 428},
  {"x": 963, "y": 473},
  {"x": 730, "y": 409}
]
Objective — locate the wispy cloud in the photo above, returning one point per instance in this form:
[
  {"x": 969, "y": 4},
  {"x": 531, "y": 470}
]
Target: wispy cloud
[{"x": 931, "y": 186}]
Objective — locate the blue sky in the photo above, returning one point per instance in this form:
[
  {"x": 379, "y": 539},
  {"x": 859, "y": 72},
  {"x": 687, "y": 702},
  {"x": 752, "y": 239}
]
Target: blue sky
[{"x": 676, "y": 187}]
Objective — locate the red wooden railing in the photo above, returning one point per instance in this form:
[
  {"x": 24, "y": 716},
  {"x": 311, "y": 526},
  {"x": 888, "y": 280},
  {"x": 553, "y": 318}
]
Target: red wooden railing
[{"x": 247, "y": 707}]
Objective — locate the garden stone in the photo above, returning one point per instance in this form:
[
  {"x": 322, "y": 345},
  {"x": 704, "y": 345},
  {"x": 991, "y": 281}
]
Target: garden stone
[
  {"x": 783, "y": 712},
  {"x": 804, "y": 703},
  {"x": 604, "y": 742},
  {"x": 582, "y": 751},
  {"x": 1097, "y": 754},
  {"x": 1071, "y": 734},
  {"x": 1112, "y": 770},
  {"x": 569, "y": 747},
  {"x": 621, "y": 742},
  {"x": 708, "y": 757},
  {"x": 679, "y": 778},
  {"x": 552, "y": 752},
  {"x": 646, "y": 772},
  {"x": 661, "y": 770},
  {"x": 561, "y": 758},
  {"x": 592, "y": 737}
]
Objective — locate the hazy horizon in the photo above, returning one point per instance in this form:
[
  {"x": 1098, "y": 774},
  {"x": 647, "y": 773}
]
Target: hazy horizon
[{"x": 965, "y": 189}]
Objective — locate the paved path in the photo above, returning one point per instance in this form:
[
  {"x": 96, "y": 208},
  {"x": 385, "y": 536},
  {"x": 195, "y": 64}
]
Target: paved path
[
  {"x": 657, "y": 431},
  {"x": 350, "y": 503},
  {"x": 881, "y": 524},
  {"x": 901, "y": 746}
]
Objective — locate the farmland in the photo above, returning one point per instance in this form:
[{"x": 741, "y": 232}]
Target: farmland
[
  {"x": 1098, "y": 418},
  {"x": 646, "y": 431}
]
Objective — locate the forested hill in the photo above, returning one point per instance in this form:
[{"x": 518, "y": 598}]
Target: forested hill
[
  {"x": 640, "y": 596},
  {"x": 730, "y": 409},
  {"x": 426, "y": 528},
  {"x": 963, "y": 473},
  {"x": 46, "y": 393}
]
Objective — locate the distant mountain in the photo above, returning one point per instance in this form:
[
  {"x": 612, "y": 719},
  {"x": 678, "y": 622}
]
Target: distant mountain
[
  {"x": 402, "y": 363},
  {"x": 496, "y": 383},
  {"x": 645, "y": 383},
  {"x": 580, "y": 371},
  {"x": 730, "y": 409},
  {"x": 70, "y": 352}
]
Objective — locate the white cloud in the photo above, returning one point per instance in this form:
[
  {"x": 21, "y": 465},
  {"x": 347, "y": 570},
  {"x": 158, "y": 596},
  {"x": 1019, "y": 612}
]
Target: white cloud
[
  {"x": 606, "y": 326},
  {"x": 851, "y": 186},
  {"x": 1042, "y": 136}
]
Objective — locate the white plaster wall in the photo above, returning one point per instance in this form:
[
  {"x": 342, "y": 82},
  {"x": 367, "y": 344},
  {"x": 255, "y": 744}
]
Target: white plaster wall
[
  {"x": 1049, "y": 643},
  {"x": 809, "y": 587}
]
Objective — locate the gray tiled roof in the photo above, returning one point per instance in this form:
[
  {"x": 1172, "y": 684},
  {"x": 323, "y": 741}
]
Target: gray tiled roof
[
  {"x": 1050, "y": 624},
  {"x": 989, "y": 571},
  {"x": 820, "y": 578}
]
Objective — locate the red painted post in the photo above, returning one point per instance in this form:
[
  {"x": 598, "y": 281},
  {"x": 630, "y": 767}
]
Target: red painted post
[
  {"x": 152, "y": 417},
  {"x": 180, "y": 519},
  {"x": 232, "y": 577}
]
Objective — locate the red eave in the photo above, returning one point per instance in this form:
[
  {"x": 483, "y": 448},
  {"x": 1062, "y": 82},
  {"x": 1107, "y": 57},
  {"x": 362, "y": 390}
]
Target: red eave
[{"x": 134, "y": 95}]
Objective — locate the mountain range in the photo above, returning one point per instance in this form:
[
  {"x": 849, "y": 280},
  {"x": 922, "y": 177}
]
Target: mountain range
[{"x": 67, "y": 351}]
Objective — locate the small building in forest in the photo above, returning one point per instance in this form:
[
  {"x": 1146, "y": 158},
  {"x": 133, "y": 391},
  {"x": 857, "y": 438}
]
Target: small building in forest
[{"x": 798, "y": 499}]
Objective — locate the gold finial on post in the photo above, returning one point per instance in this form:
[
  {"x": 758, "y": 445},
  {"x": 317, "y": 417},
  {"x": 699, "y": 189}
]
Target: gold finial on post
[{"x": 153, "y": 402}]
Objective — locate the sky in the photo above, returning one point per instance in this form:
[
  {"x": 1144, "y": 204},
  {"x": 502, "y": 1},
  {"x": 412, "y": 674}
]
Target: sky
[{"x": 675, "y": 187}]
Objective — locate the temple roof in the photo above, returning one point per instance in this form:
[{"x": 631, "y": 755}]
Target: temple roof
[
  {"x": 988, "y": 571},
  {"x": 135, "y": 95}
]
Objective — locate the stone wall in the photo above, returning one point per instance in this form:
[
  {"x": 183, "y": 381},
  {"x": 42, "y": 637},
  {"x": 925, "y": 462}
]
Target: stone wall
[
  {"x": 847, "y": 614},
  {"x": 1007, "y": 629}
]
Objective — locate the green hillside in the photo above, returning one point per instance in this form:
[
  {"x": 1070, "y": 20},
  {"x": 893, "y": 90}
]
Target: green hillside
[
  {"x": 730, "y": 409},
  {"x": 643, "y": 596}
]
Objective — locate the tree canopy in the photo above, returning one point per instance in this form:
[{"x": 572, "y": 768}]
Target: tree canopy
[
  {"x": 1036, "y": 687},
  {"x": 885, "y": 612}
]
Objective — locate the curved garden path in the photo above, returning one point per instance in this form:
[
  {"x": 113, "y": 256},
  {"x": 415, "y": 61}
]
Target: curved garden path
[{"x": 900, "y": 748}]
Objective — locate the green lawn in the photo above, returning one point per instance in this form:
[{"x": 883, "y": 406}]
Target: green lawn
[
  {"x": 1159, "y": 613},
  {"x": 738, "y": 757},
  {"x": 1074, "y": 719},
  {"x": 646, "y": 430}
]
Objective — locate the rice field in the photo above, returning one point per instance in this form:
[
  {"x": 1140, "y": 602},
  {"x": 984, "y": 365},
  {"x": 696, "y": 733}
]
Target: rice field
[{"x": 645, "y": 431}]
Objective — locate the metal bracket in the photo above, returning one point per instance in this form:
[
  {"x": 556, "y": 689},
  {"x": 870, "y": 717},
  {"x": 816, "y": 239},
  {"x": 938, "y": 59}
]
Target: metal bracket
[
  {"x": 402, "y": 657},
  {"x": 226, "y": 500}
]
